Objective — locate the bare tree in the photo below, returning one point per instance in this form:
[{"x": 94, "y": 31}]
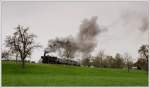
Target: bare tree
[
  {"x": 67, "y": 45},
  {"x": 128, "y": 61},
  {"x": 99, "y": 59},
  {"x": 86, "y": 61},
  {"x": 70, "y": 47},
  {"x": 142, "y": 62},
  {"x": 5, "y": 55},
  {"x": 143, "y": 51},
  {"x": 22, "y": 42},
  {"x": 119, "y": 62},
  {"x": 109, "y": 62}
]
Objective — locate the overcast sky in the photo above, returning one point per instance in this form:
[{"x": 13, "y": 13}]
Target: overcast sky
[{"x": 127, "y": 23}]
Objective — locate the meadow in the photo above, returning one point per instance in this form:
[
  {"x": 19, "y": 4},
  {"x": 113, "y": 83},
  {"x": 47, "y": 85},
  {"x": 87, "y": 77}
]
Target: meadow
[{"x": 64, "y": 75}]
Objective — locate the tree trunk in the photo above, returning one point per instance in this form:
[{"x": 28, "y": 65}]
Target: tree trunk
[
  {"x": 128, "y": 69},
  {"x": 16, "y": 58},
  {"x": 23, "y": 63}
]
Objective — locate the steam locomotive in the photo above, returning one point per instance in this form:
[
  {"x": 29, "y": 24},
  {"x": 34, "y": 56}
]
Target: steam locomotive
[{"x": 54, "y": 60}]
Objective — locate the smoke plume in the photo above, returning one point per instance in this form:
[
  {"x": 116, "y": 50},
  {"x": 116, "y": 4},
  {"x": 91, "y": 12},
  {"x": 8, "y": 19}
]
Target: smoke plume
[
  {"x": 84, "y": 42},
  {"x": 137, "y": 18},
  {"x": 86, "y": 39}
]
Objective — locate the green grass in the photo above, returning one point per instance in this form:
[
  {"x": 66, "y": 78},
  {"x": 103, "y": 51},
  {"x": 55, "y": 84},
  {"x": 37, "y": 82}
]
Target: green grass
[{"x": 60, "y": 75}]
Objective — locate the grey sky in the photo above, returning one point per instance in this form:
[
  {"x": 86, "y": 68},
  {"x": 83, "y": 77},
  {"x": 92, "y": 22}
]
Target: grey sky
[{"x": 124, "y": 21}]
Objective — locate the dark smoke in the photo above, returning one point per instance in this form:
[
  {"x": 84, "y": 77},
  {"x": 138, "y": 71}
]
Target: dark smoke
[
  {"x": 84, "y": 42},
  {"x": 66, "y": 45}
]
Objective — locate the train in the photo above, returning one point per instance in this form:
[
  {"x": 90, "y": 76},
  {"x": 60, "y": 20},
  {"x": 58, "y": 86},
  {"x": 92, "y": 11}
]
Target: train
[{"x": 55, "y": 60}]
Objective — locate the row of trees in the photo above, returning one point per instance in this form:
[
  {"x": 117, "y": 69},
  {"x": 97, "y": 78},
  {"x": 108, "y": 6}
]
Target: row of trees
[
  {"x": 119, "y": 61},
  {"x": 106, "y": 61}
]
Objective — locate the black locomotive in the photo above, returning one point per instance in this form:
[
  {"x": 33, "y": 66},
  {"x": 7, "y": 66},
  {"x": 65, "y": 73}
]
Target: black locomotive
[{"x": 54, "y": 60}]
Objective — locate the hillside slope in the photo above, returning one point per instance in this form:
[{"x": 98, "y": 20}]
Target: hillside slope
[{"x": 61, "y": 75}]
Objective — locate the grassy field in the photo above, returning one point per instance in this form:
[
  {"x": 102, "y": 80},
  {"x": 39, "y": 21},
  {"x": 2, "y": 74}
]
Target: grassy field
[{"x": 61, "y": 75}]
